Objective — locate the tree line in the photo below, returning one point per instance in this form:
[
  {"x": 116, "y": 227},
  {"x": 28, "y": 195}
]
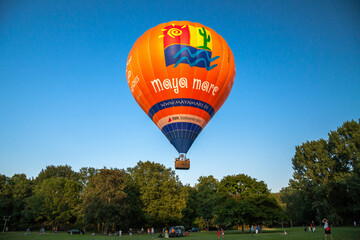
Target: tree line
[
  {"x": 148, "y": 194},
  {"x": 326, "y": 179},
  {"x": 325, "y": 183}
]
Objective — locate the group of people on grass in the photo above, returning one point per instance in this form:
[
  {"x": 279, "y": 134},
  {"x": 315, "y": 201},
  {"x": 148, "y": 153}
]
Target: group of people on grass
[
  {"x": 42, "y": 231},
  {"x": 28, "y": 232},
  {"x": 310, "y": 228},
  {"x": 218, "y": 232},
  {"x": 256, "y": 229},
  {"x": 327, "y": 228}
]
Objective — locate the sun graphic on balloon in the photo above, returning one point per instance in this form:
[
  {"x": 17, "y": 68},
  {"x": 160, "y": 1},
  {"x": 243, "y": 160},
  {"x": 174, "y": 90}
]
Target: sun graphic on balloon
[{"x": 172, "y": 32}]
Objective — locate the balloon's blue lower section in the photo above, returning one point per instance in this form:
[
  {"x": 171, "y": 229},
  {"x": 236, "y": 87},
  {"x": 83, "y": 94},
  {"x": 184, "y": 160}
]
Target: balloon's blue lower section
[
  {"x": 181, "y": 135},
  {"x": 182, "y": 145}
]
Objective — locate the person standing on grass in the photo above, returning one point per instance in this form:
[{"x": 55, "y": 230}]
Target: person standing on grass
[{"x": 327, "y": 228}]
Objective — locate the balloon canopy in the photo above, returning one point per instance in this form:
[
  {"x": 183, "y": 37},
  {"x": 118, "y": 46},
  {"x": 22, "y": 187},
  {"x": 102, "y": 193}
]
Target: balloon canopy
[{"x": 180, "y": 73}]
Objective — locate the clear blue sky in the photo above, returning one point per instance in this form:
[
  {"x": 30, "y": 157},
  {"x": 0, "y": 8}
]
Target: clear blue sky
[{"x": 64, "y": 98}]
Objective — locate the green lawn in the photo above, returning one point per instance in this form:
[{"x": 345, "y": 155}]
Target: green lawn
[{"x": 339, "y": 233}]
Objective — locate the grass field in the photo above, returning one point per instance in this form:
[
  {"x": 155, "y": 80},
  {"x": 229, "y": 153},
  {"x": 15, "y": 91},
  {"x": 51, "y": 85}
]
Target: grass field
[{"x": 339, "y": 233}]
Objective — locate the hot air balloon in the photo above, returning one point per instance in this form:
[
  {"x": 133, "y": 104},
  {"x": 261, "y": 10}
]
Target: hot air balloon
[{"x": 180, "y": 73}]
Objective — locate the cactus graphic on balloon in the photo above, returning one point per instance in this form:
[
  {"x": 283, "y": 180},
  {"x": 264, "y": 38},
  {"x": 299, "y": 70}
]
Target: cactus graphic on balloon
[{"x": 206, "y": 39}]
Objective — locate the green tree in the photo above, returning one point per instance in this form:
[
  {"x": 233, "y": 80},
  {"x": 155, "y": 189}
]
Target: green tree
[
  {"x": 85, "y": 174},
  {"x": 245, "y": 200},
  {"x": 163, "y": 197},
  {"x": 189, "y": 213},
  {"x": 105, "y": 200},
  {"x": 133, "y": 199},
  {"x": 55, "y": 200},
  {"x": 283, "y": 217},
  {"x": 5, "y": 196},
  {"x": 206, "y": 198},
  {"x": 353, "y": 190},
  {"x": 21, "y": 189},
  {"x": 231, "y": 212},
  {"x": 326, "y": 172},
  {"x": 13, "y": 194},
  {"x": 55, "y": 172},
  {"x": 344, "y": 148},
  {"x": 313, "y": 172},
  {"x": 297, "y": 208},
  {"x": 265, "y": 210}
]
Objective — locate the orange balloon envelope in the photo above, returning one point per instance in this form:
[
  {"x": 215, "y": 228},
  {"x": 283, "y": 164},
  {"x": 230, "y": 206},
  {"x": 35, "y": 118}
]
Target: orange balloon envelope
[{"x": 180, "y": 73}]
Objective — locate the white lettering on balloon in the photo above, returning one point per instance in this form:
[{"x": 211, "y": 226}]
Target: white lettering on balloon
[
  {"x": 177, "y": 84},
  {"x": 133, "y": 83}
]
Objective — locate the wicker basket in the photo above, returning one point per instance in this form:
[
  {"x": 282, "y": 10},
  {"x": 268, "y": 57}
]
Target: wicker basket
[{"x": 185, "y": 165}]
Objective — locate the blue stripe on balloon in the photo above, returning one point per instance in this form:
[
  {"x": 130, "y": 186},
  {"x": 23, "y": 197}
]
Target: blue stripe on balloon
[
  {"x": 179, "y": 102},
  {"x": 181, "y": 135}
]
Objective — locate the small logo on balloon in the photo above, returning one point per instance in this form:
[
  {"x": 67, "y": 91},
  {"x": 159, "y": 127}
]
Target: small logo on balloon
[{"x": 189, "y": 45}]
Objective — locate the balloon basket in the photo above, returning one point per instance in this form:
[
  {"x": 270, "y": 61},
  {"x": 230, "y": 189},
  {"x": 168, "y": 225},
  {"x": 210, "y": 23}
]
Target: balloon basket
[{"x": 182, "y": 163}]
